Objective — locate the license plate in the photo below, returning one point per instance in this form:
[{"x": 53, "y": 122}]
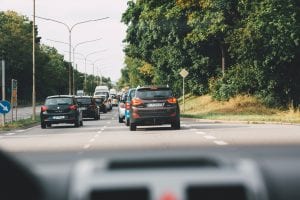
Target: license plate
[
  {"x": 58, "y": 117},
  {"x": 84, "y": 108},
  {"x": 151, "y": 105}
]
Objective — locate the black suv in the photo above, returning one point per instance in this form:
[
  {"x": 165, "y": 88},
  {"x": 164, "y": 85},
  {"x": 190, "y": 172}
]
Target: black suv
[
  {"x": 89, "y": 107},
  {"x": 61, "y": 109},
  {"x": 154, "y": 105}
]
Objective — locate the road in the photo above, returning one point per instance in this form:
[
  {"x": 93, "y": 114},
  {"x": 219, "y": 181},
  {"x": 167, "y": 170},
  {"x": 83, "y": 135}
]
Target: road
[{"x": 107, "y": 133}]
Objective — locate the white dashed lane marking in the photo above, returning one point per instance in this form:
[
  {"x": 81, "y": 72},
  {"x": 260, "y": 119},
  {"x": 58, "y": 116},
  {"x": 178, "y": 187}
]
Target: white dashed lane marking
[
  {"x": 9, "y": 134},
  {"x": 86, "y": 146},
  {"x": 220, "y": 142},
  {"x": 209, "y": 137},
  {"x": 92, "y": 140},
  {"x": 200, "y": 133}
]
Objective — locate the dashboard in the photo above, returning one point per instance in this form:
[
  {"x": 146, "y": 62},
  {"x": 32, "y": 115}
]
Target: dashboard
[{"x": 235, "y": 173}]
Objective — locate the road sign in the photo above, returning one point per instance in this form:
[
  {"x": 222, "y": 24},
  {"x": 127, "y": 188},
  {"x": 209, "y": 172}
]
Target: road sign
[
  {"x": 184, "y": 73},
  {"x": 4, "y": 107}
]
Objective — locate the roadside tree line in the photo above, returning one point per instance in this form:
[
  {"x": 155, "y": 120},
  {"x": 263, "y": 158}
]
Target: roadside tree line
[
  {"x": 51, "y": 68},
  {"x": 230, "y": 47}
]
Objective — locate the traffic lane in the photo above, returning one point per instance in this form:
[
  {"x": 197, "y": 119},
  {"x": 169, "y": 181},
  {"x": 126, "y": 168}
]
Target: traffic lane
[
  {"x": 61, "y": 137},
  {"x": 247, "y": 134},
  {"x": 108, "y": 133}
]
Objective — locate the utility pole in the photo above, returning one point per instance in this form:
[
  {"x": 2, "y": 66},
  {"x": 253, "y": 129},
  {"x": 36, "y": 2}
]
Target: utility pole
[
  {"x": 33, "y": 64},
  {"x": 3, "y": 87}
]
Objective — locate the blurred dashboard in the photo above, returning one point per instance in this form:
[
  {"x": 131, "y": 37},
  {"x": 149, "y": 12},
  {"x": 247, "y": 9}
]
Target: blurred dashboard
[{"x": 235, "y": 173}]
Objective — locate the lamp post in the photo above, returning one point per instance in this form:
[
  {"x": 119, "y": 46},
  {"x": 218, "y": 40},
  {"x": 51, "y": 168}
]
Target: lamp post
[
  {"x": 70, "y": 28},
  {"x": 85, "y": 60},
  {"x": 74, "y": 49},
  {"x": 33, "y": 64}
]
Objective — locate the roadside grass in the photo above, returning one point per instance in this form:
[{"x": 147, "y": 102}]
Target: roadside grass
[
  {"x": 23, "y": 123},
  {"x": 240, "y": 108}
]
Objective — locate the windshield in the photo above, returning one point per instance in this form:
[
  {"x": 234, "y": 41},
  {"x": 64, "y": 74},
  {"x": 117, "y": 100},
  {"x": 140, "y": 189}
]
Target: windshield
[
  {"x": 165, "y": 74},
  {"x": 153, "y": 93},
  {"x": 85, "y": 101},
  {"x": 58, "y": 101}
]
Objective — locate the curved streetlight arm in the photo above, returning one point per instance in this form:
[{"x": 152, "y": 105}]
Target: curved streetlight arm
[
  {"x": 88, "y": 41},
  {"x": 83, "y": 22},
  {"x": 54, "y": 20}
]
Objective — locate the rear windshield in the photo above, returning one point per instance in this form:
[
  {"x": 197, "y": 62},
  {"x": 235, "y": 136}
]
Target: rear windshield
[
  {"x": 99, "y": 101},
  {"x": 154, "y": 93},
  {"x": 101, "y": 93},
  {"x": 84, "y": 100},
  {"x": 59, "y": 101}
]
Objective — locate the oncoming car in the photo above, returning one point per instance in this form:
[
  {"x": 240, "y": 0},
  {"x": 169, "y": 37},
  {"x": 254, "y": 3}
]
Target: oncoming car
[
  {"x": 154, "y": 105},
  {"x": 61, "y": 109}
]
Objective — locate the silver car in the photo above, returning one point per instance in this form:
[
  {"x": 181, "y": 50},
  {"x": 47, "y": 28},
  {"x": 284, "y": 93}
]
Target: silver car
[{"x": 121, "y": 107}]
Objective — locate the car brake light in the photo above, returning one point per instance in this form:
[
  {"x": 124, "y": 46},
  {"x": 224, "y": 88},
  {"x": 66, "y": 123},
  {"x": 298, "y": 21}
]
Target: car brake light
[
  {"x": 44, "y": 108},
  {"x": 172, "y": 100},
  {"x": 136, "y": 102},
  {"x": 73, "y": 107},
  {"x": 127, "y": 106}
]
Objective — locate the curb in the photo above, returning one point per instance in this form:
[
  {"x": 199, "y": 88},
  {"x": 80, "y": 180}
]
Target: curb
[{"x": 238, "y": 122}]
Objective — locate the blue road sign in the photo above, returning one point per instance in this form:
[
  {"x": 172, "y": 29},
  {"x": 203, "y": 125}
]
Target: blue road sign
[{"x": 4, "y": 107}]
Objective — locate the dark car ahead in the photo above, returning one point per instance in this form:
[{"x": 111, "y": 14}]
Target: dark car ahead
[
  {"x": 154, "y": 106},
  {"x": 61, "y": 109},
  {"x": 100, "y": 101},
  {"x": 89, "y": 107}
]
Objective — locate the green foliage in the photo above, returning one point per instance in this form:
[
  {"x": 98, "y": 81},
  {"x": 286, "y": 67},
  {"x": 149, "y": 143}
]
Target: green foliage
[
  {"x": 258, "y": 40},
  {"x": 51, "y": 68}
]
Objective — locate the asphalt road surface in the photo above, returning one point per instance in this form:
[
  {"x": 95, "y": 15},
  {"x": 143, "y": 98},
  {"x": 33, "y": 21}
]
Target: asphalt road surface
[{"x": 108, "y": 133}]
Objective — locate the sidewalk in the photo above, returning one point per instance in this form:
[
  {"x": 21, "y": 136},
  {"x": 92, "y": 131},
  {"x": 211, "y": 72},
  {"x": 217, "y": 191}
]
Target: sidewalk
[{"x": 22, "y": 113}]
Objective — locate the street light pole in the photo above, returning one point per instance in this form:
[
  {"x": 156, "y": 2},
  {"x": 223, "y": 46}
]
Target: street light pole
[
  {"x": 70, "y": 28},
  {"x": 74, "y": 52},
  {"x": 85, "y": 60},
  {"x": 33, "y": 64}
]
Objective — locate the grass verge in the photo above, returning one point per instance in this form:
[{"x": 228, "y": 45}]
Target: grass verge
[
  {"x": 23, "y": 123},
  {"x": 240, "y": 108}
]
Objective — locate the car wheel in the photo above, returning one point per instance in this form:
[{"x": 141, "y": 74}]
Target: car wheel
[
  {"x": 49, "y": 125},
  {"x": 77, "y": 123},
  {"x": 81, "y": 123},
  {"x": 132, "y": 127},
  {"x": 176, "y": 125},
  {"x": 127, "y": 122},
  {"x": 105, "y": 110},
  {"x": 120, "y": 119},
  {"x": 43, "y": 125}
]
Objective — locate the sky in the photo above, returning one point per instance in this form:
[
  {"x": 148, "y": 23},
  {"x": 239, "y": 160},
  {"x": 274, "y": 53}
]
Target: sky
[{"x": 110, "y": 58}]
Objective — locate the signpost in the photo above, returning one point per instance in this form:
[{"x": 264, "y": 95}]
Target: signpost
[
  {"x": 14, "y": 98},
  {"x": 4, "y": 109},
  {"x": 184, "y": 73}
]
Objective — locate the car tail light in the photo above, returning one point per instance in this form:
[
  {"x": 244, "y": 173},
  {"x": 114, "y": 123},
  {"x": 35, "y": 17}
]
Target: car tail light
[
  {"x": 172, "y": 100},
  {"x": 136, "y": 102},
  {"x": 44, "y": 108},
  {"x": 135, "y": 115},
  {"x": 73, "y": 107},
  {"x": 127, "y": 106}
]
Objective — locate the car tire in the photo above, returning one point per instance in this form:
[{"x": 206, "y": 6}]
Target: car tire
[
  {"x": 81, "y": 123},
  {"x": 49, "y": 125},
  {"x": 43, "y": 125},
  {"x": 132, "y": 127},
  {"x": 77, "y": 123},
  {"x": 176, "y": 125},
  {"x": 105, "y": 110},
  {"x": 120, "y": 119},
  {"x": 127, "y": 122}
]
